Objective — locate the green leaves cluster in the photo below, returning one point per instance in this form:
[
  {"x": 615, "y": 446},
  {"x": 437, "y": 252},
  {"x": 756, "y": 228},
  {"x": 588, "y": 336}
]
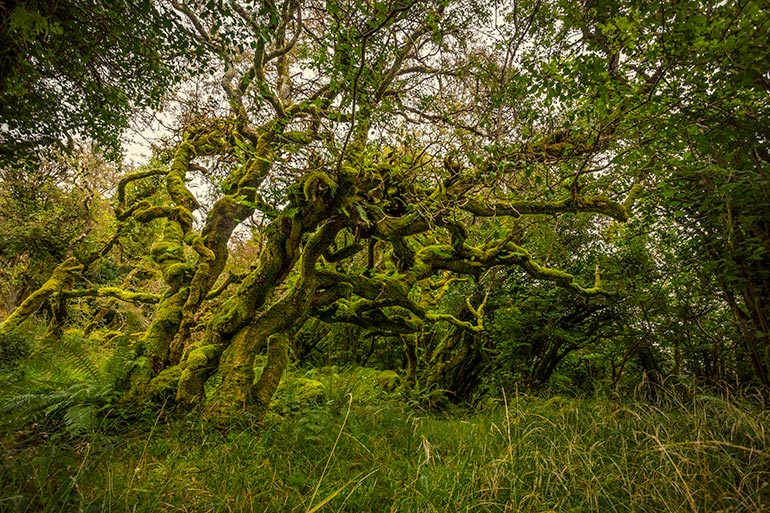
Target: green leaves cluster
[{"x": 79, "y": 69}]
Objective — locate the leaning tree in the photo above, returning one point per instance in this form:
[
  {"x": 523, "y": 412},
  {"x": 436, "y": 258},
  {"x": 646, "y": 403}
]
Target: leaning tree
[{"x": 365, "y": 143}]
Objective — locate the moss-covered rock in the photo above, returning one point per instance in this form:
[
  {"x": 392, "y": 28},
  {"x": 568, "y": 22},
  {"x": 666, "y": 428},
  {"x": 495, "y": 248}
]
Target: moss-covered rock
[
  {"x": 164, "y": 386},
  {"x": 389, "y": 381},
  {"x": 294, "y": 393}
]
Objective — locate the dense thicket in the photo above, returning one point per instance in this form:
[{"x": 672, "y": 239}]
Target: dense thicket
[{"x": 446, "y": 189}]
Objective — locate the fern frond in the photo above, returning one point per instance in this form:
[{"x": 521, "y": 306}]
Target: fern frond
[
  {"x": 81, "y": 419},
  {"x": 118, "y": 367},
  {"x": 79, "y": 359}
]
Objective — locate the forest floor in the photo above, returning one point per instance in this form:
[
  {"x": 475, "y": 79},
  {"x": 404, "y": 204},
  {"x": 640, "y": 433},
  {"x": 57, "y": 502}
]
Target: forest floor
[{"x": 344, "y": 453}]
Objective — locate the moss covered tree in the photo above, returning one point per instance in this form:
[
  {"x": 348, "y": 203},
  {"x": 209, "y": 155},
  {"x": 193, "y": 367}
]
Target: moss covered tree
[{"x": 381, "y": 153}]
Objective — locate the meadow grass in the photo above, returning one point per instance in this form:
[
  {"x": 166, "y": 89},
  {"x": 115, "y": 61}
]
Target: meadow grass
[{"x": 522, "y": 454}]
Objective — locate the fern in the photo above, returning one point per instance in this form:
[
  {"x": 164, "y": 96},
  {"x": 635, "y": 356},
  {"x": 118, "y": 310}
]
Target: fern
[
  {"x": 81, "y": 419},
  {"x": 362, "y": 214},
  {"x": 67, "y": 388},
  {"x": 79, "y": 360}
]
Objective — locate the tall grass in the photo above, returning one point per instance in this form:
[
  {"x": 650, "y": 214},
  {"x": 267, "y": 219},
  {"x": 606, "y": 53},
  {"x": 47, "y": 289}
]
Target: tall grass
[{"x": 705, "y": 454}]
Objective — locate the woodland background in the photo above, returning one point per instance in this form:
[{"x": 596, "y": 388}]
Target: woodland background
[{"x": 404, "y": 255}]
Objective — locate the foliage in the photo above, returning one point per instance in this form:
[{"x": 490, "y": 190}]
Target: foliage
[
  {"x": 713, "y": 188},
  {"x": 66, "y": 389},
  {"x": 46, "y": 215},
  {"x": 439, "y": 189},
  {"x": 78, "y": 69},
  {"x": 706, "y": 453},
  {"x": 367, "y": 219},
  {"x": 15, "y": 346}
]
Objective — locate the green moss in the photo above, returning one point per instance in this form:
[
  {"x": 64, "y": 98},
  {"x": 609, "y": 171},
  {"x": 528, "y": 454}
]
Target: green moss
[
  {"x": 198, "y": 367},
  {"x": 147, "y": 212},
  {"x": 315, "y": 182},
  {"x": 297, "y": 392},
  {"x": 444, "y": 251},
  {"x": 277, "y": 359},
  {"x": 367, "y": 385},
  {"x": 348, "y": 173},
  {"x": 168, "y": 317},
  {"x": 178, "y": 274},
  {"x": 199, "y": 245},
  {"x": 556, "y": 275},
  {"x": 389, "y": 380},
  {"x": 163, "y": 385},
  {"x": 226, "y": 320},
  {"x": 53, "y": 285},
  {"x": 141, "y": 374},
  {"x": 112, "y": 292},
  {"x": 184, "y": 217},
  {"x": 169, "y": 249},
  {"x": 202, "y": 356},
  {"x": 633, "y": 194},
  {"x": 175, "y": 185},
  {"x": 163, "y": 251}
]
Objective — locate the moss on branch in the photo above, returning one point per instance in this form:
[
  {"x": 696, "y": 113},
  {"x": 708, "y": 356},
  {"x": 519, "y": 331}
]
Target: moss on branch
[
  {"x": 451, "y": 319},
  {"x": 478, "y": 314},
  {"x": 232, "y": 278},
  {"x": 60, "y": 275},
  {"x": 344, "y": 253},
  {"x": 633, "y": 194},
  {"x": 132, "y": 177},
  {"x": 144, "y": 211},
  {"x": 175, "y": 184},
  {"x": 516, "y": 255},
  {"x": 113, "y": 292},
  {"x": 200, "y": 363},
  {"x": 267, "y": 384},
  {"x": 593, "y": 204}
]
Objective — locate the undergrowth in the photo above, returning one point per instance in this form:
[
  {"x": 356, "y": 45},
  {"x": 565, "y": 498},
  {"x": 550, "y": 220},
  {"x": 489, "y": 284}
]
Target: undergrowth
[
  {"x": 72, "y": 386},
  {"x": 521, "y": 454}
]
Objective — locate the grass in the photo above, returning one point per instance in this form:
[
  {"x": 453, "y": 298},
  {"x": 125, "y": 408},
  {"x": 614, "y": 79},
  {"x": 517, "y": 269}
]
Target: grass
[{"x": 707, "y": 454}]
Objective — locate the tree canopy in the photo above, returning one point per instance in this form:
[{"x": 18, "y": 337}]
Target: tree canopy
[
  {"x": 448, "y": 177},
  {"x": 78, "y": 69}
]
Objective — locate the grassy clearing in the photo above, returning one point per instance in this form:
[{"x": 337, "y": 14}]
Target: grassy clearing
[{"x": 529, "y": 455}]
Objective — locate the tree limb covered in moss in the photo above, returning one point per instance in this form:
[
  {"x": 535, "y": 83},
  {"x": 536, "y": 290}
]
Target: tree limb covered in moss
[
  {"x": 53, "y": 285},
  {"x": 120, "y": 198},
  {"x": 113, "y": 292}
]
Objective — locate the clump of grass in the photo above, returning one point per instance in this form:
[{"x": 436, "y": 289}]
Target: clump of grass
[{"x": 705, "y": 454}]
